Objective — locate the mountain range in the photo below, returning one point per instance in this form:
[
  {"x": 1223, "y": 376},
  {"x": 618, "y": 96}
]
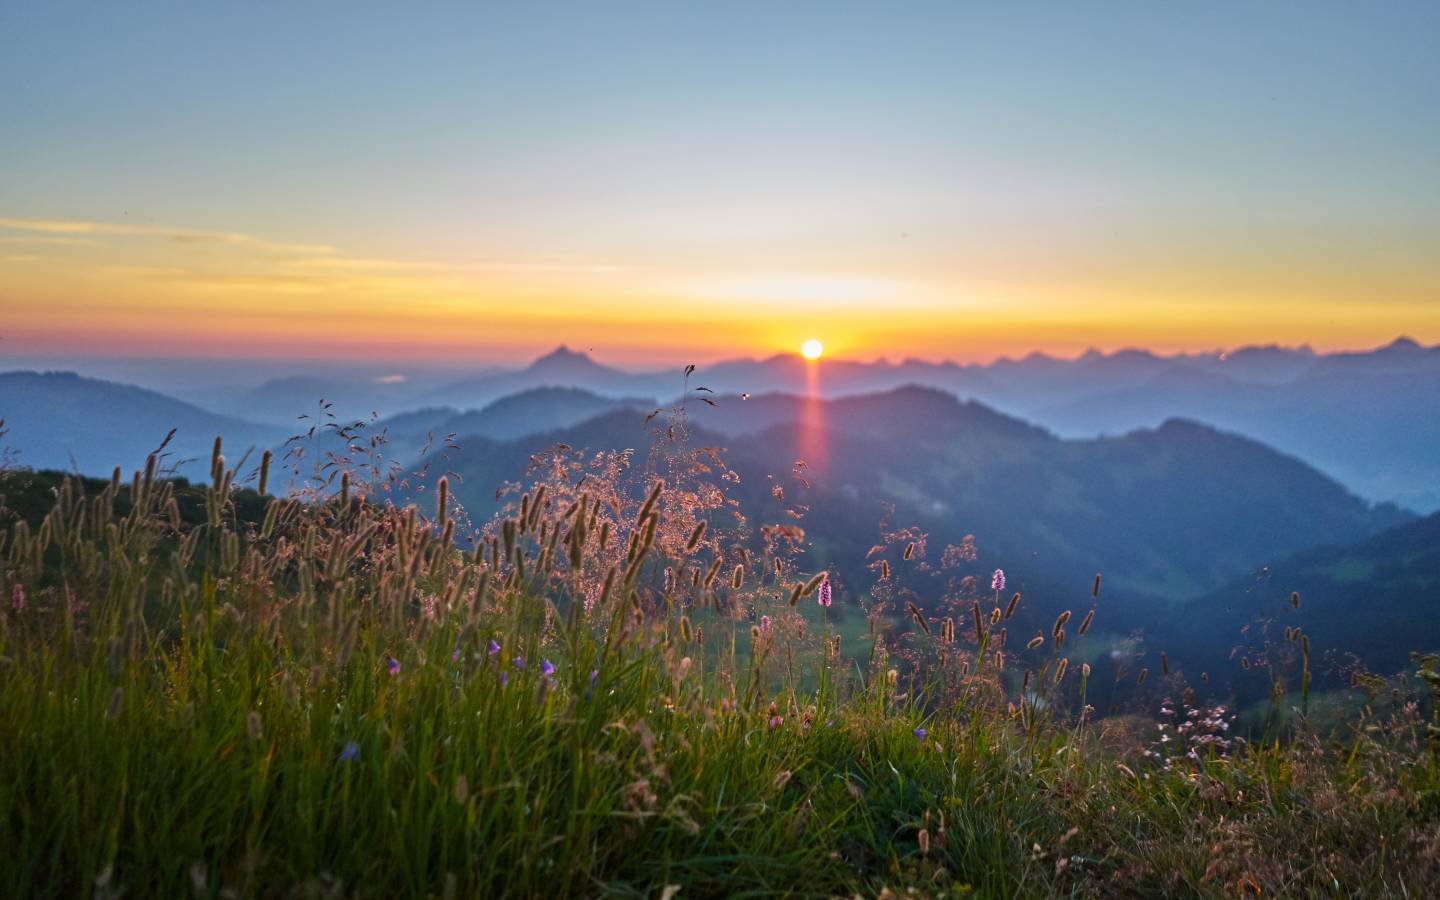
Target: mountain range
[
  {"x": 1171, "y": 512},
  {"x": 1370, "y": 419}
]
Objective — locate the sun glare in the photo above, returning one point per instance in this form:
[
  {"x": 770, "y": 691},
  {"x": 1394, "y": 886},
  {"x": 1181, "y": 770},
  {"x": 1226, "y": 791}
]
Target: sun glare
[{"x": 812, "y": 349}]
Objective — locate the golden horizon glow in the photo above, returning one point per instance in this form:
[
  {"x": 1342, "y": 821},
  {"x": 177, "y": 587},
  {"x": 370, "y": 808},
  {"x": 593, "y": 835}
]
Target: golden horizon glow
[
  {"x": 105, "y": 289},
  {"x": 812, "y": 349}
]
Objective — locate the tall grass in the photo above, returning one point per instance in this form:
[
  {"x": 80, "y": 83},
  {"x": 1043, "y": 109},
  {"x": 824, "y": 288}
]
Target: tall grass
[{"x": 611, "y": 692}]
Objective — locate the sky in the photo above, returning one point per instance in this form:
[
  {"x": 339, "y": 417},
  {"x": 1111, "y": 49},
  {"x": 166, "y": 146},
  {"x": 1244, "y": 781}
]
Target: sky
[{"x": 667, "y": 182}]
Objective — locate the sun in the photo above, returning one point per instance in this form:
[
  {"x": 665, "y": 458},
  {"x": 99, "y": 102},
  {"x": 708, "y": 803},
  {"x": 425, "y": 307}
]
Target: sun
[{"x": 812, "y": 349}]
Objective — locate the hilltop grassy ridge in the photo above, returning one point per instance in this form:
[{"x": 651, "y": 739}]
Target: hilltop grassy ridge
[{"x": 322, "y": 696}]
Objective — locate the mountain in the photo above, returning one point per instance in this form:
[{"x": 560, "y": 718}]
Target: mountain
[
  {"x": 561, "y": 367},
  {"x": 405, "y": 438},
  {"x": 1370, "y": 424},
  {"x": 284, "y": 399},
  {"x": 1166, "y": 513},
  {"x": 538, "y": 410},
  {"x": 59, "y": 420},
  {"x": 1377, "y": 599}
]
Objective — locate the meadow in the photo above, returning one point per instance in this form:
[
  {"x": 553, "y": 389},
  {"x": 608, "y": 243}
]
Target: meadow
[{"x": 621, "y": 687}]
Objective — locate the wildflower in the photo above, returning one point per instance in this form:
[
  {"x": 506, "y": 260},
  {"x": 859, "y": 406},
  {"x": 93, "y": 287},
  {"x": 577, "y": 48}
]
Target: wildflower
[
  {"x": 17, "y": 598},
  {"x": 919, "y": 733},
  {"x": 594, "y": 676},
  {"x": 394, "y": 666},
  {"x": 494, "y": 648},
  {"x": 455, "y": 655},
  {"x": 518, "y": 662},
  {"x": 776, "y": 721},
  {"x": 504, "y": 678},
  {"x": 547, "y": 667},
  {"x": 350, "y": 752},
  {"x": 824, "y": 597},
  {"x": 764, "y": 624},
  {"x": 997, "y": 581}
]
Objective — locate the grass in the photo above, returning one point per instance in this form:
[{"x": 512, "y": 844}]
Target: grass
[{"x": 324, "y": 697}]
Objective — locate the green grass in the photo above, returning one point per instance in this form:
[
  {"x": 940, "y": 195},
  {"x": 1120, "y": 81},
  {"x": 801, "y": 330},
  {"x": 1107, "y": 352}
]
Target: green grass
[{"x": 204, "y": 705}]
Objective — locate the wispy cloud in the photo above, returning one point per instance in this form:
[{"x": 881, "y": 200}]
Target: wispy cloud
[
  {"x": 302, "y": 260},
  {"x": 178, "y": 235},
  {"x": 354, "y": 264},
  {"x": 36, "y": 240}
]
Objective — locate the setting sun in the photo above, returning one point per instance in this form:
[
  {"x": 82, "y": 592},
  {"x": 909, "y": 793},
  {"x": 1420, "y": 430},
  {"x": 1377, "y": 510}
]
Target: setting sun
[{"x": 812, "y": 349}]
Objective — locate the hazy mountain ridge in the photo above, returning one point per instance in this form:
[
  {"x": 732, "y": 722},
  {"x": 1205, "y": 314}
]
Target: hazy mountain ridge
[
  {"x": 1370, "y": 418},
  {"x": 64, "y": 421}
]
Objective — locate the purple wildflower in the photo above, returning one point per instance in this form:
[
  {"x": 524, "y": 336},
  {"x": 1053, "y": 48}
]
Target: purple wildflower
[
  {"x": 394, "y": 666},
  {"x": 824, "y": 596},
  {"x": 997, "y": 581},
  {"x": 547, "y": 667},
  {"x": 504, "y": 678},
  {"x": 519, "y": 662},
  {"x": 594, "y": 676},
  {"x": 455, "y": 655},
  {"x": 350, "y": 753},
  {"x": 920, "y": 733},
  {"x": 494, "y": 648}
]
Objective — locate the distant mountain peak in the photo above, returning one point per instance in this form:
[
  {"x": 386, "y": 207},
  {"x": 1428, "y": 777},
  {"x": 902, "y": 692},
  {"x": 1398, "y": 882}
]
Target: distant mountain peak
[
  {"x": 561, "y": 355},
  {"x": 1402, "y": 344},
  {"x": 566, "y": 363}
]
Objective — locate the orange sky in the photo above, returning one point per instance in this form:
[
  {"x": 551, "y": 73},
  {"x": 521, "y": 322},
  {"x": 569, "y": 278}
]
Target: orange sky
[{"x": 76, "y": 287}]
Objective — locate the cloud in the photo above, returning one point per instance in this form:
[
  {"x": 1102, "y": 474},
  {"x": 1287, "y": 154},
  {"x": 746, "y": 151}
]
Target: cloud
[
  {"x": 353, "y": 264},
  {"x": 178, "y": 235},
  {"x": 260, "y": 265},
  {"x": 31, "y": 240}
]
